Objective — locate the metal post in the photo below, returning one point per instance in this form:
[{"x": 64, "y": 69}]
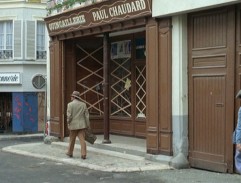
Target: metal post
[
  {"x": 45, "y": 106},
  {"x": 106, "y": 51}
]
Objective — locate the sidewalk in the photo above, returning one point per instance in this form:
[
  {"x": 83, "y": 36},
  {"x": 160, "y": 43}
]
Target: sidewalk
[
  {"x": 22, "y": 136},
  {"x": 114, "y": 157}
]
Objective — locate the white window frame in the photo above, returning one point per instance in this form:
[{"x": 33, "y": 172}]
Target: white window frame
[
  {"x": 6, "y": 53},
  {"x": 42, "y": 49}
]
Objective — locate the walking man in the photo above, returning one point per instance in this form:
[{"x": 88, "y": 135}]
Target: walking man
[{"x": 78, "y": 121}]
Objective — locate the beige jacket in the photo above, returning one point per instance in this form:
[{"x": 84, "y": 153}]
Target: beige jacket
[{"x": 77, "y": 115}]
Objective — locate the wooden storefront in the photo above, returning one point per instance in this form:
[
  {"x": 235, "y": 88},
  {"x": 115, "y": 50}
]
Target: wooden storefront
[{"x": 120, "y": 63}]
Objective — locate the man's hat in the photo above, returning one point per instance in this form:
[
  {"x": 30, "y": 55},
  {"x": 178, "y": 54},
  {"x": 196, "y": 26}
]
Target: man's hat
[{"x": 76, "y": 94}]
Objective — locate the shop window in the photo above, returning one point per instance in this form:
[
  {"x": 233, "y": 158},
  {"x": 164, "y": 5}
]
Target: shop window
[
  {"x": 121, "y": 79},
  {"x": 6, "y": 40},
  {"x": 140, "y": 51}
]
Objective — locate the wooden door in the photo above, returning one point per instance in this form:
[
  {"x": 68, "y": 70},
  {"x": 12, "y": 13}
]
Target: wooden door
[
  {"x": 56, "y": 80},
  {"x": 211, "y": 88},
  {"x": 238, "y": 64}
]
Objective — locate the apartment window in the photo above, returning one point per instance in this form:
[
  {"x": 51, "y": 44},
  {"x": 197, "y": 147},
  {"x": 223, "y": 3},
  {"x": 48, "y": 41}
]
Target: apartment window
[
  {"x": 41, "y": 41},
  {"x": 6, "y": 40}
]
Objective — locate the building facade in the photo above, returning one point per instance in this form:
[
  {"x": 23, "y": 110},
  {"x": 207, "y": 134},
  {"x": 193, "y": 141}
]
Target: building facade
[
  {"x": 23, "y": 55},
  {"x": 102, "y": 50},
  {"x": 168, "y": 74}
]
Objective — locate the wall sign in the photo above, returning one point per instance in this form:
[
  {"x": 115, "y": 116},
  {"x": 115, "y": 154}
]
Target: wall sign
[
  {"x": 99, "y": 14},
  {"x": 10, "y": 78}
]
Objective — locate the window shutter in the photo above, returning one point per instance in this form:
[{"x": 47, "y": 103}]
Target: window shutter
[
  {"x": 30, "y": 40},
  {"x": 18, "y": 54}
]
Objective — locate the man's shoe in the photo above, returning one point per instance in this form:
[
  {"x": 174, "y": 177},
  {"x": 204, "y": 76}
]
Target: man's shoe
[
  {"x": 69, "y": 155},
  {"x": 83, "y": 157}
]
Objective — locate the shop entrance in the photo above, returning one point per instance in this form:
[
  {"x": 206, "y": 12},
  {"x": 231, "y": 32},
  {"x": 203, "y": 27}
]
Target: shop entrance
[
  {"x": 5, "y": 112},
  {"x": 127, "y": 76}
]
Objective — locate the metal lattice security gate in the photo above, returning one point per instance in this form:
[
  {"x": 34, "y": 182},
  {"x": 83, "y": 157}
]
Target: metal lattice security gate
[
  {"x": 141, "y": 90},
  {"x": 90, "y": 75},
  {"x": 121, "y": 94}
]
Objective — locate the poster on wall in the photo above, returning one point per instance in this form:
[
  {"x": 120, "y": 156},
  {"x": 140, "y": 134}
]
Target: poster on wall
[{"x": 121, "y": 49}]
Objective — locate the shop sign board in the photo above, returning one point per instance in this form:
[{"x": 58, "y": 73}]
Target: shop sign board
[
  {"x": 10, "y": 78},
  {"x": 96, "y": 15}
]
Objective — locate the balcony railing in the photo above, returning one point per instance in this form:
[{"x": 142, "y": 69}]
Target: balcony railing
[
  {"x": 41, "y": 55},
  {"x": 6, "y": 54},
  {"x": 59, "y": 6}
]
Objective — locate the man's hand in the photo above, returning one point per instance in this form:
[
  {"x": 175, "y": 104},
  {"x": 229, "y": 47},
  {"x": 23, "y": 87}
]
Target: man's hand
[{"x": 238, "y": 147}]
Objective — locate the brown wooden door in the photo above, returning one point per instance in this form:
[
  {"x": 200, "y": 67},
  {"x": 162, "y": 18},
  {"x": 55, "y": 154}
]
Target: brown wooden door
[
  {"x": 211, "y": 88},
  {"x": 238, "y": 64},
  {"x": 56, "y": 111}
]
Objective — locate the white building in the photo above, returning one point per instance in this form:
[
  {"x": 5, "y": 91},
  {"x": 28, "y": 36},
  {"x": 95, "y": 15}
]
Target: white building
[{"x": 23, "y": 55}]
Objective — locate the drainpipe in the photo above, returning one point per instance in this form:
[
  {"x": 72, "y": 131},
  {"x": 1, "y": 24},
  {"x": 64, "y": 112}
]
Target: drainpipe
[{"x": 106, "y": 51}]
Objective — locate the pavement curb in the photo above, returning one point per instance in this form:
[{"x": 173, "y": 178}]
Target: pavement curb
[
  {"x": 26, "y": 136},
  {"x": 84, "y": 163}
]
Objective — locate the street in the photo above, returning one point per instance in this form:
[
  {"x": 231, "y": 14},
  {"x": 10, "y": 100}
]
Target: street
[{"x": 19, "y": 169}]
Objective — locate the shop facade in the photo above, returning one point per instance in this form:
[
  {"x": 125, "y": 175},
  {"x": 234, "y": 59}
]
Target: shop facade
[
  {"x": 119, "y": 58},
  {"x": 206, "y": 78}
]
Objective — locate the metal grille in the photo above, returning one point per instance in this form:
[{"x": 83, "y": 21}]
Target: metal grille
[
  {"x": 91, "y": 83},
  {"x": 41, "y": 55},
  {"x": 6, "y": 54},
  {"x": 120, "y": 87},
  {"x": 141, "y": 91}
]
